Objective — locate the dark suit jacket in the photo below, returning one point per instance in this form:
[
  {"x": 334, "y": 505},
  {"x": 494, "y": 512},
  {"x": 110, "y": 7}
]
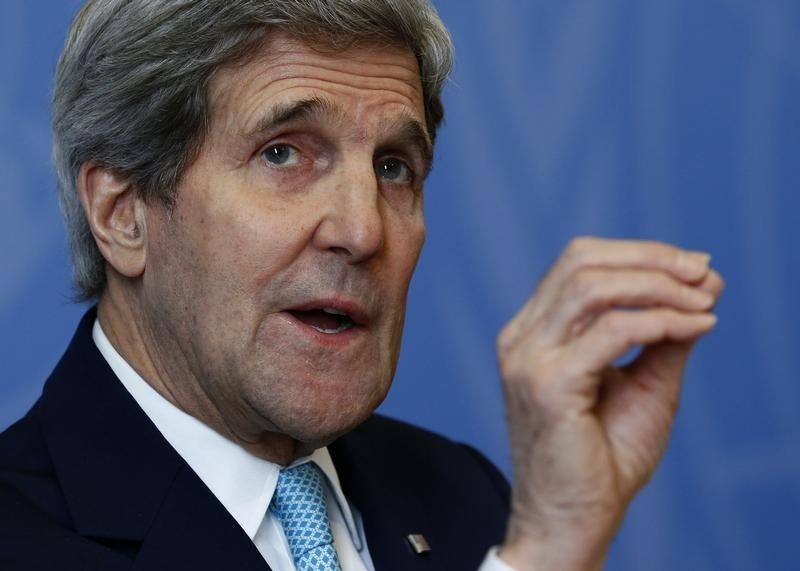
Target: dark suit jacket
[{"x": 87, "y": 482}]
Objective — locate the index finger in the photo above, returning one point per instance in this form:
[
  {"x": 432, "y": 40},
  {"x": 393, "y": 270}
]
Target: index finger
[{"x": 686, "y": 265}]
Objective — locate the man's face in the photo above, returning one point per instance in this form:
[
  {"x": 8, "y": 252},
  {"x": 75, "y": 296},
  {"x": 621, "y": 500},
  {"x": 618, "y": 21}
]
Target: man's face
[{"x": 283, "y": 270}]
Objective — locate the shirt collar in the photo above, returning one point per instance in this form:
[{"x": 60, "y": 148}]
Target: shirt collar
[{"x": 241, "y": 481}]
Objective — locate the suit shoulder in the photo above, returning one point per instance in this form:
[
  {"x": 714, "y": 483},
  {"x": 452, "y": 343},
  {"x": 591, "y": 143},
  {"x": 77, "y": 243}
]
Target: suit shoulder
[
  {"x": 27, "y": 474},
  {"x": 22, "y": 447}
]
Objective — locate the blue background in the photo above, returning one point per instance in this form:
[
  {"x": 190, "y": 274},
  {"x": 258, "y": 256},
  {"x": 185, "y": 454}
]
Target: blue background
[{"x": 675, "y": 120}]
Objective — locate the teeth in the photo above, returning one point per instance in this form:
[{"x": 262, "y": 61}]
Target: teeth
[
  {"x": 339, "y": 329},
  {"x": 333, "y": 311}
]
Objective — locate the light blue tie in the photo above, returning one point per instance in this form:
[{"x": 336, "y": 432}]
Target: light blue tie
[{"x": 299, "y": 504}]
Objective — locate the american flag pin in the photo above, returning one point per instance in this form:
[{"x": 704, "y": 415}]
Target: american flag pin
[{"x": 418, "y": 543}]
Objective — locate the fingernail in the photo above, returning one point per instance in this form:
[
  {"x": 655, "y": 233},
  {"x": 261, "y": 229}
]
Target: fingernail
[
  {"x": 696, "y": 261},
  {"x": 703, "y": 258},
  {"x": 711, "y": 319}
]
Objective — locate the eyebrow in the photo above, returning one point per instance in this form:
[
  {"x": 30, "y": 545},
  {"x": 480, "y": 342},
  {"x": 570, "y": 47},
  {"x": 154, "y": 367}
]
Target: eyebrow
[
  {"x": 412, "y": 132},
  {"x": 408, "y": 130},
  {"x": 301, "y": 110}
]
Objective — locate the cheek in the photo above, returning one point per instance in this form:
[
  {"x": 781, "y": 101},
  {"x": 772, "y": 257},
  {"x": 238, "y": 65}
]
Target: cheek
[
  {"x": 172, "y": 254},
  {"x": 253, "y": 242},
  {"x": 410, "y": 247},
  {"x": 404, "y": 252}
]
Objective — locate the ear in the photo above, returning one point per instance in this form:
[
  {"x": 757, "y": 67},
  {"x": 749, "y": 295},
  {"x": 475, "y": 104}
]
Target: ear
[{"x": 116, "y": 217}]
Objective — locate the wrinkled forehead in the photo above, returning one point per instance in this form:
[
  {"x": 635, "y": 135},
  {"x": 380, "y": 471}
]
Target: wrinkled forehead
[{"x": 286, "y": 68}]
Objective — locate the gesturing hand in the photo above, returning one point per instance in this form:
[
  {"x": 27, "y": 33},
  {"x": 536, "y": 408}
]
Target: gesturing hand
[{"x": 586, "y": 436}]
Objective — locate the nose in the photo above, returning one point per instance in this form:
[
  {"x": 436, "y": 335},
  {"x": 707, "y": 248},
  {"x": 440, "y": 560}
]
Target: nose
[{"x": 352, "y": 224}]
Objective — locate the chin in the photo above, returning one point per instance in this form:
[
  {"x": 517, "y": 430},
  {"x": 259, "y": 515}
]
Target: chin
[
  {"x": 331, "y": 418},
  {"x": 317, "y": 406},
  {"x": 324, "y": 430}
]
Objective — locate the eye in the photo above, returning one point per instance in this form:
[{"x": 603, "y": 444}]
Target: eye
[
  {"x": 394, "y": 170},
  {"x": 281, "y": 155}
]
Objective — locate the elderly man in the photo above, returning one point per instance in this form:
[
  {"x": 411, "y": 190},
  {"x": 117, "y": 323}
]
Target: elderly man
[{"x": 243, "y": 185}]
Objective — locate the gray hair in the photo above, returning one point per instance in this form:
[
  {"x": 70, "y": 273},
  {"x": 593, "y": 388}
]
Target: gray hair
[{"x": 131, "y": 90}]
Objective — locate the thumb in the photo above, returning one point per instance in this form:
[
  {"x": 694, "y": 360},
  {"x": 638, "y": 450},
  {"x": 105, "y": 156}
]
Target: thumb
[{"x": 660, "y": 367}]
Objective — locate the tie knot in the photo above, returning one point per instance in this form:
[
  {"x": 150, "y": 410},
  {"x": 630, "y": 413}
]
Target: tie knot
[
  {"x": 299, "y": 491},
  {"x": 299, "y": 504}
]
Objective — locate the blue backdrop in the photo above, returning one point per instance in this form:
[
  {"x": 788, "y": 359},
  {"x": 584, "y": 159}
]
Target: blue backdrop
[{"x": 674, "y": 120}]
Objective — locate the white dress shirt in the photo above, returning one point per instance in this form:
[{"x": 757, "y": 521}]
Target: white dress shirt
[{"x": 244, "y": 483}]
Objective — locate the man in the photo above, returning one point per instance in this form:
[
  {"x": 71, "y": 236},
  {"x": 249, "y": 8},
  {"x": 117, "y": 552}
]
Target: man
[{"x": 242, "y": 181}]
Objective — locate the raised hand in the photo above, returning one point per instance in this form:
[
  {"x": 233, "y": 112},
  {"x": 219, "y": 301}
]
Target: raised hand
[{"x": 585, "y": 435}]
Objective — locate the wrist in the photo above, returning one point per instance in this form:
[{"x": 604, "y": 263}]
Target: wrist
[
  {"x": 538, "y": 558},
  {"x": 529, "y": 549}
]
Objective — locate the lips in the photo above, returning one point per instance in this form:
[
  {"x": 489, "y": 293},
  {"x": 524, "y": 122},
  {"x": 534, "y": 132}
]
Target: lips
[
  {"x": 325, "y": 320},
  {"x": 330, "y": 317}
]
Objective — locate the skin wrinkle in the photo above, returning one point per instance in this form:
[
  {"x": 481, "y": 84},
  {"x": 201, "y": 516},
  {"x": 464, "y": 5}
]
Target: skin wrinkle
[
  {"x": 303, "y": 111},
  {"x": 150, "y": 366},
  {"x": 291, "y": 64},
  {"x": 334, "y": 74},
  {"x": 306, "y": 112},
  {"x": 410, "y": 134},
  {"x": 319, "y": 88},
  {"x": 374, "y": 68}
]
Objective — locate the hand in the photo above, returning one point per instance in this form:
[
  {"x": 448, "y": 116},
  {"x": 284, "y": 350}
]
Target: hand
[{"x": 586, "y": 436}]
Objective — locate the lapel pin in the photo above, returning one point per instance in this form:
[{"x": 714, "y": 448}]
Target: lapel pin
[{"x": 418, "y": 543}]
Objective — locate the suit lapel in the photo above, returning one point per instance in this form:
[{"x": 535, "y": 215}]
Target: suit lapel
[
  {"x": 405, "y": 481},
  {"x": 194, "y": 531},
  {"x": 389, "y": 512},
  {"x": 122, "y": 480}
]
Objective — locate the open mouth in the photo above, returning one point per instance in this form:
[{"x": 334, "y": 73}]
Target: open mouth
[{"x": 325, "y": 320}]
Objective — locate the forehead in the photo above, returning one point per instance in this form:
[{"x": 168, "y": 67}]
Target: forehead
[{"x": 367, "y": 82}]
